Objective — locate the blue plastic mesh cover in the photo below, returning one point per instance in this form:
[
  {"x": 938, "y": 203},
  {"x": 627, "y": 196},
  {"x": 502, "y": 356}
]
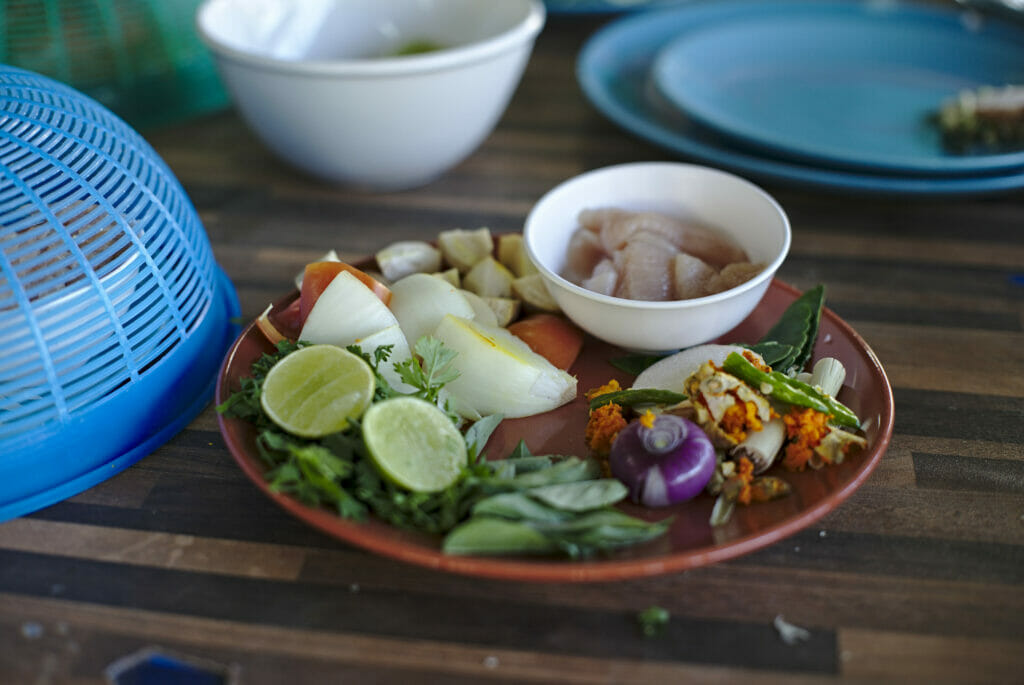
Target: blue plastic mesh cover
[{"x": 113, "y": 312}]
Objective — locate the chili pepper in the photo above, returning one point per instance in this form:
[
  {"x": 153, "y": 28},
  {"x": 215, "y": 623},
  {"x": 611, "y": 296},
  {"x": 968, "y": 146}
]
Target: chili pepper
[
  {"x": 842, "y": 414},
  {"x": 631, "y": 397},
  {"x": 789, "y": 390}
]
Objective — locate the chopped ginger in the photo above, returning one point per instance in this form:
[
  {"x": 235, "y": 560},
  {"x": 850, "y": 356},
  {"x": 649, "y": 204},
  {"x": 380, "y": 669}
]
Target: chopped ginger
[
  {"x": 739, "y": 419},
  {"x": 603, "y": 427},
  {"x": 805, "y": 429},
  {"x": 745, "y": 474}
]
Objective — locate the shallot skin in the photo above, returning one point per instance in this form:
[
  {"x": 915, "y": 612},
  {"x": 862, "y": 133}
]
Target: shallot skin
[{"x": 669, "y": 463}]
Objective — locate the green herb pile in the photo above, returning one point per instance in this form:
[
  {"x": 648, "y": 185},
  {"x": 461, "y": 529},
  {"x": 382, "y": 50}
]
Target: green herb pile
[{"x": 524, "y": 504}]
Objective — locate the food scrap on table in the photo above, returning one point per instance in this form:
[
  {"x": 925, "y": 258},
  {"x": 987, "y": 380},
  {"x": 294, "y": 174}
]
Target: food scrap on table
[{"x": 987, "y": 119}]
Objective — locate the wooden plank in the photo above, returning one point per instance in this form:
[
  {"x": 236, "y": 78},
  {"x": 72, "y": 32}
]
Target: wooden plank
[
  {"x": 875, "y": 655},
  {"x": 425, "y": 658},
  {"x": 899, "y": 247},
  {"x": 936, "y": 514},
  {"x": 144, "y": 548}
]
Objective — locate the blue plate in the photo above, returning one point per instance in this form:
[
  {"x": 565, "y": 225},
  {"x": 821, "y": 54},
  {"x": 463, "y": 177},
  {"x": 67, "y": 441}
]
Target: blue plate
[
  {"x": 614, "y": 71},
  {"x": 840, "y": 84}
]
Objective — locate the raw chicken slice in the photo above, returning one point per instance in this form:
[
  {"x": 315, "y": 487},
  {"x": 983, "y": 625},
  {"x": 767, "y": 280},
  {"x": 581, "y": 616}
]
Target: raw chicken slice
[
  {"x": 645, "y": 268},
  {"x": 604, "y": 278},
  {"x": 691, "y": 276},
  {"x": 616, "y": 227},
  {"x": 585, "y": 251},
  {"x": 733, "y": 275}
]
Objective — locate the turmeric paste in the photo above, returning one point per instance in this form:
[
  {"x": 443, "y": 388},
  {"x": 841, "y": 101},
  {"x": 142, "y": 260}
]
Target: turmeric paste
[
  {"x": 603, "y": 427},
  {"x": 739, "y": 419},
  {"x": 805, "y": 429}
]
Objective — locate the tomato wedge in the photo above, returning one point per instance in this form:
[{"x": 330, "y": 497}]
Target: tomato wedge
[
  {"x": 286, "y": 320},
  {"x": 553, "y": 337},
  {"x": 318, "y": 276}
]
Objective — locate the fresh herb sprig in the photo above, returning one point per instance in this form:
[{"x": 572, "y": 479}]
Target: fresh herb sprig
[{"x": 426, "y": 373}]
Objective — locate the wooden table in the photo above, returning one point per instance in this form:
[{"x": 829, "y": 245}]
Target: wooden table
[{"x": 919, "y": 576}]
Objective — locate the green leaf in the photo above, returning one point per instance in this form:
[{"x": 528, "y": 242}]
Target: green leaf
[
  {"x": 581, "y": 495},
  {"x": 381, "y": 354},
  {"x": 653, "y": 620},
  {"x": 635, "y": 364},
  {"x": 479, "y": 433},
  {"x": 529, "y": 463},
  {"x": 773, "y": 352},
  {"x": 587, "y": 535},
  {"x": 608, "y": 517},
  {"x": 798, "y": 328},
  {"x": 565, "y": 471},
  {"x": 518, "y": 506},
  {"x": 437, "y": 362},
  {"x": 494, "y": 536},
  {"x": 520, "y": 451}
]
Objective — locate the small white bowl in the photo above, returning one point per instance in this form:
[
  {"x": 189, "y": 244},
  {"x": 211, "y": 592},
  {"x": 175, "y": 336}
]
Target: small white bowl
[
  {"x": 737, "y": 207},
  {"x": 321, "y": 82}
]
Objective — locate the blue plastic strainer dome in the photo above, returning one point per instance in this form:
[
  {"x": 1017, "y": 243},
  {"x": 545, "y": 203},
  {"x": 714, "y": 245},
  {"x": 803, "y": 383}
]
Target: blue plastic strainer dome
[{"x": 114, "y": 315}]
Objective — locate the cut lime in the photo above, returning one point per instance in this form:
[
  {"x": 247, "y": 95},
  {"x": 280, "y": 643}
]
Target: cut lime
[
  {"x": 414, "y": 444},
  {"x": 314, "y": 391}
]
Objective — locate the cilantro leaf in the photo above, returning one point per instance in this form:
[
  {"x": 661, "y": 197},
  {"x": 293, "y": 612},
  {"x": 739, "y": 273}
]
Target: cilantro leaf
[{"x": 432, "y": 371}]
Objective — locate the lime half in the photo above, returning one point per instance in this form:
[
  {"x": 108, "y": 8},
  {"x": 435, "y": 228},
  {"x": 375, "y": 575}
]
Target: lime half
[
  {"x": 414, "y": 444},
  {"x": 314, "y": 391}
]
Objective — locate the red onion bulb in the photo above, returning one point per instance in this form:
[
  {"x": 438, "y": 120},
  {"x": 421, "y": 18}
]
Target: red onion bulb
[{"x": 668, "y": 463}]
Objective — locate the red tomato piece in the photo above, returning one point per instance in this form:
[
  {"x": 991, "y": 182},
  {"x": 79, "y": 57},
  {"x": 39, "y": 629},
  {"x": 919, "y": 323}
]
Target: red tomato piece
[
  {"x": 286, "y": 320},
  {"x": 318, "y": 276},
  {"x": 553, "y": 337}
]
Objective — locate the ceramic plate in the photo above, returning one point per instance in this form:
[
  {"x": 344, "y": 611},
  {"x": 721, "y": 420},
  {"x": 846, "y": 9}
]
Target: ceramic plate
[
  {"x": 614, "y": 71},
  {"x": 842, "y": 84},
  {"x": 691, "y": 542}
]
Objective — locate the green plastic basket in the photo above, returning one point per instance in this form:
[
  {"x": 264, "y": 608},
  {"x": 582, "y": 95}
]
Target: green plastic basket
[{"x": 140, "y": 58}]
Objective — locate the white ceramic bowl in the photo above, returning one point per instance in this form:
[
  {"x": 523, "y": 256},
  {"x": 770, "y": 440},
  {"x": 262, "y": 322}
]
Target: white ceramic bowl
[
  {"x": 737, "y": 207},
  {"x": 320, "y": 81}
]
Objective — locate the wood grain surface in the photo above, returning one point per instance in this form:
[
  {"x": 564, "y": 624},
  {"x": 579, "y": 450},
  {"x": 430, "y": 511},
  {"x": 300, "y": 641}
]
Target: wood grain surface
[{"x": 919, "y": 577}]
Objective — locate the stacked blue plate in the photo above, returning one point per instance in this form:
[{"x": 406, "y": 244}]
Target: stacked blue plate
[{"x": 828, "y": 93}]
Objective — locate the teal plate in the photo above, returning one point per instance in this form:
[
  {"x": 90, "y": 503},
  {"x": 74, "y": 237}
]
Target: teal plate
[
  {"x": 614, "y": 70},
  {"x": 840, "y": 84}
]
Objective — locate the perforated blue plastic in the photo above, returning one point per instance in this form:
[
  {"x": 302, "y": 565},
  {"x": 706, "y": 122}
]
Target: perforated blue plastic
[{"x": 114, "y": 315}]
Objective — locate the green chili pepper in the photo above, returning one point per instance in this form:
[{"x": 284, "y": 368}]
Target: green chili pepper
[
  {"x": 632, "y": 397},
  {"x": 842, "y": 414},
  {"x": 789, "y": 390}
]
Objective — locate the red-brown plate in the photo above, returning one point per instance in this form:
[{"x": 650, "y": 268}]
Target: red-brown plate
[{"x": 691, "y": 542}]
